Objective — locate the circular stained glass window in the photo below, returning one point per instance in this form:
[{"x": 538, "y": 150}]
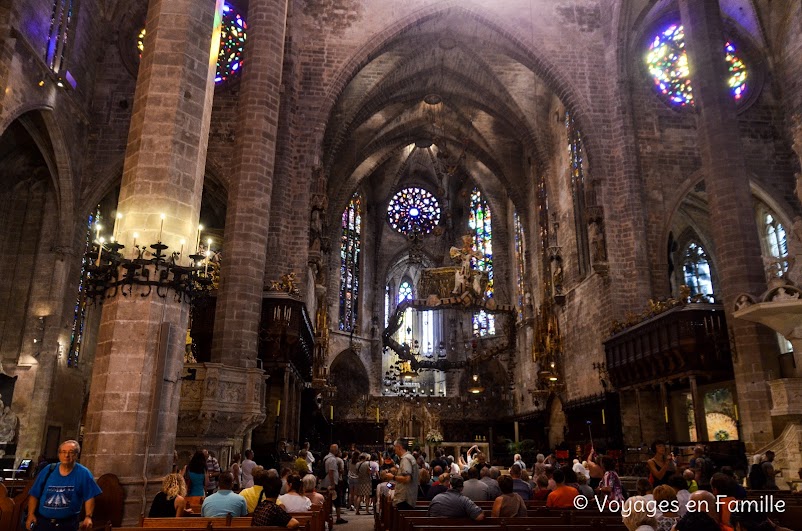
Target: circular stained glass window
[
  {"x": 413, "y": 210},
  {"x": 232, "y": 43},
  {"x": 668, "y": 66}
]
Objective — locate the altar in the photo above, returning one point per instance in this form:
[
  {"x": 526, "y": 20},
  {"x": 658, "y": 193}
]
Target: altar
[{"x": 457, "y": 448}]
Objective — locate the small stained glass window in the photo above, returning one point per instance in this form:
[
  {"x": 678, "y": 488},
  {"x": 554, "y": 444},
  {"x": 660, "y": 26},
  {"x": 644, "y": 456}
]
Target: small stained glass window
[
  {"x": 696, "y": 270},
  {"x": 232, "y": 43},
  {"x": 413, "y": 210},
  {"x": 59, "y": 35},
  {"x": 668, "y": 67},
  {"x": 774, "y": 242},
  {"x": 79, "y": 310},
  {"x": 520, "y": 263},
  {"x": 350, "y": 248},
  {"x": 404, "y": 291}
]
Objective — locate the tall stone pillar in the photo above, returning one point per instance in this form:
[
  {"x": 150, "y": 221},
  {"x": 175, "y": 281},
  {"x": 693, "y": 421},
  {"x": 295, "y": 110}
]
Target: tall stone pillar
[
  {"x": 699, "y": 418},
  {"x": 735, "y": 233},
  {"x": 134, "y": 397},
  {"x": 239, "y": 302}
]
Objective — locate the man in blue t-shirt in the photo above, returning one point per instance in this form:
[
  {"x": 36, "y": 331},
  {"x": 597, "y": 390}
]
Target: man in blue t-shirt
[
  {"x": 224, "y": 501},
  {"x": 60, "y": 491}
]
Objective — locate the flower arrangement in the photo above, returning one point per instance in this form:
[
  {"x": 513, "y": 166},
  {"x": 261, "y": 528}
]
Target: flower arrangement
[{"x": 433, "y": 437}]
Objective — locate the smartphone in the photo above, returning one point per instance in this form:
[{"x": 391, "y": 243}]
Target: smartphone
[{"x": 390, "y": 485}]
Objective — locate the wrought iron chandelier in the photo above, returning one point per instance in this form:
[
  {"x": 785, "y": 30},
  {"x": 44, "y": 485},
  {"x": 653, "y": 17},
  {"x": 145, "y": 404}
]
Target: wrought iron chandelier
[{"x": 108, "y": 272}]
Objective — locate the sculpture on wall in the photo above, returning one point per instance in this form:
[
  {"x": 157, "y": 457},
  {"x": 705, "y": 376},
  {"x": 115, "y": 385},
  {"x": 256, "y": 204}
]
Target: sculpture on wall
[
  {"x": 9, "y": 424},
  {"x": 317, "y": 218},
  {"x": 795, "y": 252},
  {"x": 466, "y": 279}
]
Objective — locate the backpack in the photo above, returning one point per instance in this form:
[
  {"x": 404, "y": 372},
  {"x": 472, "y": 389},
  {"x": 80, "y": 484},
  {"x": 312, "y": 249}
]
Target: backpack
[
  {"x": 757, "y": 476},
  {"x": 320, "y": 469}
]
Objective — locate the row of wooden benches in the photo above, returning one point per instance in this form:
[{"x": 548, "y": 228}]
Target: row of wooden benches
[
  {"x": 539, "y": 516},
  {"x": 109, "y": 507}
]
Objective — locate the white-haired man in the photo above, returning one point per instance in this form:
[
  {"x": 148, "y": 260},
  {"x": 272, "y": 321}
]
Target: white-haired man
[{"x": 59, "y": 492}]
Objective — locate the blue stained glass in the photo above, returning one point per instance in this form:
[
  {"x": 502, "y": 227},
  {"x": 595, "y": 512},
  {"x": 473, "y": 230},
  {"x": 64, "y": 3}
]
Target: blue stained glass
[
  {"x": 480, "y": 222},
  {"x": 413, "y": 210},
  {"x": 668, "y": 65},
  {"x": 233, "y": 33},
  {"x": 79, "y": 310}
]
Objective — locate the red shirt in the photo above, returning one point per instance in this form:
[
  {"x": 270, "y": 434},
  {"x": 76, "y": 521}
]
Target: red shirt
[{"x": 562, "y": 496}]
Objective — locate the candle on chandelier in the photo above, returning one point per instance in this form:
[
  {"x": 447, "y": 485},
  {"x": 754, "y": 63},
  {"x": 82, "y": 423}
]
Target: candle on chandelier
[
  {"x": 99, "y": 250},
  {"x": 197, "y": 241},
  {"x": 161, "y": 227},
  {"x": 181, "y": 252},
  {"x": 377, "y": 414},
  {"x": 604, "y": 421},
  {"x": 97, "y": 231},
  {"x": 116, "y": 226},
  {"x": 278, "y": 408},
  {"x": 206, "y": 265},
  {"x": 331, "y": 412}
]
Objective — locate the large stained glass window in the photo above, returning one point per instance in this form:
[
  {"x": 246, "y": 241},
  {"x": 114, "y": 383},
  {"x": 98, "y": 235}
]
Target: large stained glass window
[
  {"x": 413, "y": 210},
  {"x": 350, "y": 247},
  {"x": 79, "y": 311},
  {"x": 577, "y": 156},
  {"x": 520, "y": 263},
  {"x": 668, "y": 66},
  {"x": 232, "y": 43},
  {"x": 480, "y": 222},
  {"x": 59, "y": 34},
  {"x": 696, "y": 270}
]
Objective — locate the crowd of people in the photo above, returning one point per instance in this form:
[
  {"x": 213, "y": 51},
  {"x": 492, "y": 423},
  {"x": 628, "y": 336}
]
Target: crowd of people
[{"x": 357, "y": 481}]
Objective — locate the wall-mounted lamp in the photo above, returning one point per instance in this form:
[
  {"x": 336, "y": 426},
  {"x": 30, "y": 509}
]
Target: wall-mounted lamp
[{"x": 38, "y": 335}]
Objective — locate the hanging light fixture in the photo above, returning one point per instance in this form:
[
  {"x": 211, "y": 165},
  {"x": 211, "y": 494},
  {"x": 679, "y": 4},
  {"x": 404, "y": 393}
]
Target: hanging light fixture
[{"x": 476, "y": 385}]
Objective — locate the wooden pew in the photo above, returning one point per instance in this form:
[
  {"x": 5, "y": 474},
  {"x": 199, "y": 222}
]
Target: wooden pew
[
  {"x": 312, "y": 521},
  {"x": 20, "y": 503},
  {"x": 109, "y": 503},
  {"x": 327, "y": 509},
  {"x": 7, "y": 521},
  {"x": 479, "y": 525},
  {"x": 418, "y": 523},
  {"x": 209, "y": 527}
]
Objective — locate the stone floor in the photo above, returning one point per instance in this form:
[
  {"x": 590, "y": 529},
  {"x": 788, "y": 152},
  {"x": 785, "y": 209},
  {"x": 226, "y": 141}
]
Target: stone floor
[{"x": 361, "y": 522}]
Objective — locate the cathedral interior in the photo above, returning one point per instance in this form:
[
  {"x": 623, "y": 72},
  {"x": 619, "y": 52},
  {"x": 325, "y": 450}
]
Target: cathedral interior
[{"x": 522, "y": 224}]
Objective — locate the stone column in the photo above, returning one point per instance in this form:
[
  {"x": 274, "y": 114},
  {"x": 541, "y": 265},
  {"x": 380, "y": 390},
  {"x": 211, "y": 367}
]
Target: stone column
[
  {"x": 664, "y": 410},
  {"x": 299, "y": 394},
  {"x": 239, "y": 302},
  {"x": 7, "y": 21},
  {"x": 134, "y": 398},
  {"x": 699, "y": 418},
  {"x": 285, "y": 399},
  {"x": 734, "y": 231}
]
